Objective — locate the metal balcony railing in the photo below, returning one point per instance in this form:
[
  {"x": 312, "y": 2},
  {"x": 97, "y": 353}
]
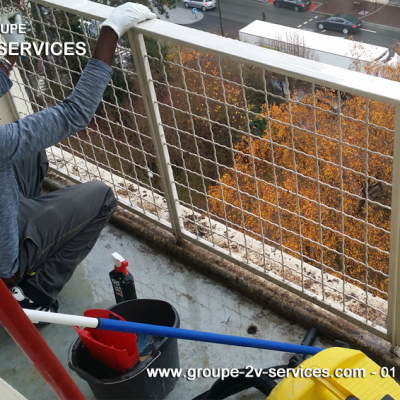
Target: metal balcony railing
[{"x": 285, "y": 166}]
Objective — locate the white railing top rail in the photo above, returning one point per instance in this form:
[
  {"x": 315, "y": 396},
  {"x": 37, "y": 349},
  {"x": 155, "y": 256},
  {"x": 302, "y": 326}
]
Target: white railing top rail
[{"x": 356, "y": 83}]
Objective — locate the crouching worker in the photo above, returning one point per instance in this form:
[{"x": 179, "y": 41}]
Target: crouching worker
[{"x": 44, "y": 238}]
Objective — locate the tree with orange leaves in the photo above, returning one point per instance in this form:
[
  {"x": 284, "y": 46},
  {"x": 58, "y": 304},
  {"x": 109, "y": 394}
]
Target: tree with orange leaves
[
  {"x": 318, "y": 191},
  {"x": 202, "y": 115}
]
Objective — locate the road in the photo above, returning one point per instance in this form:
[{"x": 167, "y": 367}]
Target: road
[{"x": 238, "y": 13}]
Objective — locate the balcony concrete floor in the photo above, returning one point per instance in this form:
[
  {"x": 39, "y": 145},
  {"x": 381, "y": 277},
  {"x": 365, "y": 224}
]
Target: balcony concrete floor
[{"x": 202, "y": 304}]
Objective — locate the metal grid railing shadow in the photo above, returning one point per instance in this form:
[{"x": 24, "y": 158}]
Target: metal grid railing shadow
[{"x": 289, "y": 177}]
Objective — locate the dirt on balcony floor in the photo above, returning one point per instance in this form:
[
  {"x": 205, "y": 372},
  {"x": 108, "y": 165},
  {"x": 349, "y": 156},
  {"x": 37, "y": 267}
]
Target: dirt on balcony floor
[{"x": 202, "y": 304}]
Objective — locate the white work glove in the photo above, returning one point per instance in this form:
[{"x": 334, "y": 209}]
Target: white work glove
[
  {"x": 13, "y": 37},
  {"x": 127, "y": 15}
]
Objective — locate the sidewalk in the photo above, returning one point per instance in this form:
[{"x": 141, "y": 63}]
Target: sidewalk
[
  {"x": 181, "y": 16},
  {"x": 367, "y": 11}
]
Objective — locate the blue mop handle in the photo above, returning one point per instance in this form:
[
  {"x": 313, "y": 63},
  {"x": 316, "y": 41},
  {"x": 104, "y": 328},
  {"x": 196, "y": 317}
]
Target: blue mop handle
[{"x": 166, "y": 331}]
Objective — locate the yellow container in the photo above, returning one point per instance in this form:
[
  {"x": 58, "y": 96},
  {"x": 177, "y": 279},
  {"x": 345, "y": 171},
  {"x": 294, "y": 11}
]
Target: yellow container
[{"x": 338, "y": 374}]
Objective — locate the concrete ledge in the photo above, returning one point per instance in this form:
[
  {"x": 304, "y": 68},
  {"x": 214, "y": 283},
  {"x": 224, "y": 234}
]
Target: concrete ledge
[{"x": 271, "y": 296}]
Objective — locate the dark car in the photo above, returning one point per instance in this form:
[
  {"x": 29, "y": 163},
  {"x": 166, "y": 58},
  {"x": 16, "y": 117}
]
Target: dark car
[
  {"x": 296, "y": 5},
  {"x": 340, "y": 22}
]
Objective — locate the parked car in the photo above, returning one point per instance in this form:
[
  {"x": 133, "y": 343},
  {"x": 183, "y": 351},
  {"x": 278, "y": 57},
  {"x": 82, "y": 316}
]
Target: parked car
[
  {"x": 201, "y": 4},
  {"x": 296, "y": 5},
  {"x": 340, "y": 22}
]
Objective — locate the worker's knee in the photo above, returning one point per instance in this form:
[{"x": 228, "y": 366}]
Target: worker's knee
[
  {"x": 96, "y": 187},
  {"x": 99, "y": 190}
]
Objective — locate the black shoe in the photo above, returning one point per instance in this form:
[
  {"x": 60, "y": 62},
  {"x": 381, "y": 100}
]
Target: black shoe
[{"x": 27, "y": 303}]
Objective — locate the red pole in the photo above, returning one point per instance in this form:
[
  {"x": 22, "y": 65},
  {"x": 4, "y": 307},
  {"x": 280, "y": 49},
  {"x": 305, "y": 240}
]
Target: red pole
[{"x": 24, "y": 333}]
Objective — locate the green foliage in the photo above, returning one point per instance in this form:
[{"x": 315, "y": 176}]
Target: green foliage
[
  {"x": 156, "y": 65},
  {"x": 256, "y": 98},
  {"x": 258, "y": 125}
]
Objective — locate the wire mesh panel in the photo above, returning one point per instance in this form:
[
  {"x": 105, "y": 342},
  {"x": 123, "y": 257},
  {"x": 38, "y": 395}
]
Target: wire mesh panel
[
  {"x": 116, "y": 146},
  {"x": 290, "y": 177},
  {"x": 285, "y": 175}
]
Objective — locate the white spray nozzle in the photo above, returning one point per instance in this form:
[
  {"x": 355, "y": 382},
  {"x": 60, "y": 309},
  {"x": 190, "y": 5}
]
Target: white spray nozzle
[{"x": 118, "y": 259}]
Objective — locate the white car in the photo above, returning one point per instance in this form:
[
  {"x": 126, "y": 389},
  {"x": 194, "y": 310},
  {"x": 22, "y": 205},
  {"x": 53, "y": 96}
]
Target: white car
[{"x": 201, "y": 4}]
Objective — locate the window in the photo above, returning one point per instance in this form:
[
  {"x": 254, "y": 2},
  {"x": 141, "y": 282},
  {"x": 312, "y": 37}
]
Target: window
[{"x": 352, "y": 19}]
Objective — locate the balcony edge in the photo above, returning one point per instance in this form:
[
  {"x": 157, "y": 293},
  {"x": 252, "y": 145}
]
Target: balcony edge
[{"x": 281, "y": 301}]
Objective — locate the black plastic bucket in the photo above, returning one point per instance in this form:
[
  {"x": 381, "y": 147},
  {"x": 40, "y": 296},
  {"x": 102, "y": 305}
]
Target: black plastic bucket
[{"x": 106, "y": 384}]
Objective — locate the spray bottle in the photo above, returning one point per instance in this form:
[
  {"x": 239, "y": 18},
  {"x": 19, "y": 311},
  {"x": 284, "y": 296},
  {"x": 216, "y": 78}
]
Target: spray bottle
[{"x": 122, "y": 281}]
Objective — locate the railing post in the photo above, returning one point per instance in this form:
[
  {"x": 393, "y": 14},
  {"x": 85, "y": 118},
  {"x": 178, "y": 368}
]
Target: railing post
[
  {"x": 138, "y": 49},
  {"x": 12, "y": 107},
  {"x": 24, "y": 333},
  {"x": 8, "y": 108},
  {"x": 393, "y": 322}
]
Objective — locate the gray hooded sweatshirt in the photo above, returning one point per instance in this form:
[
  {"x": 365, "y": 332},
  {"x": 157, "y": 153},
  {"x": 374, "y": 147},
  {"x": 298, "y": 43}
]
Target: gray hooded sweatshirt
[{"x": 37, "y": 132}]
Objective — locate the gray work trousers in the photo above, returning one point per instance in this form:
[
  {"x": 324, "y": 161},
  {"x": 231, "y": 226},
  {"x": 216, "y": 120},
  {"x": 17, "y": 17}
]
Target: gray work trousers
[{"x": 56, "y": 231}]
